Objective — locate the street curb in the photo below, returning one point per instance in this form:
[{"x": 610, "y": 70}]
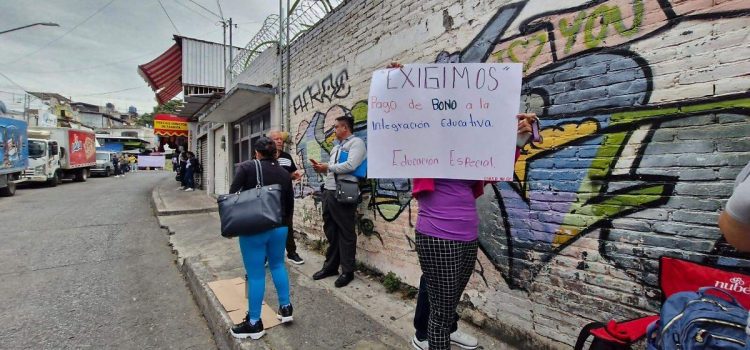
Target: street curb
[
  {"x": 160, "y": 210},
  {"x": 217, "y": 319}
]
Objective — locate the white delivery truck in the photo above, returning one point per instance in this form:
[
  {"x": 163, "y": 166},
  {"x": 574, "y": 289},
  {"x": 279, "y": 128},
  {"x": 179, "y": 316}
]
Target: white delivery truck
[{"x": 60, "y": 153}]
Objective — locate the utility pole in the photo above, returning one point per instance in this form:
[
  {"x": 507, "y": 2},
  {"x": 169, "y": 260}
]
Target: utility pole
[
  {"x": 26, "y": 106},
  {"x": 230, "y": 40},
  {"x": 288, "y": 70},
  {"x": 281, "y": 65},
  {"x": 224, "y": 45}
]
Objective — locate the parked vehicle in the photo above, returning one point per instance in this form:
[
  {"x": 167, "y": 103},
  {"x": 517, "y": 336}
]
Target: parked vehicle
[
  {"x": 14, "y": 154},
  {"x": 104, "y": 166},
  {"x": 60, "y": 153}
]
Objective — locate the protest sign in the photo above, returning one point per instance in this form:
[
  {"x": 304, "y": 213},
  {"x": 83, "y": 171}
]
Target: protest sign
[
  {"x": 454, "y": 121},
  {"x": 151, "y": 161}
]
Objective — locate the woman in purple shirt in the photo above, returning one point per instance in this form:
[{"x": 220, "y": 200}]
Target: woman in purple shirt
[{"x": 447, "y": 235}]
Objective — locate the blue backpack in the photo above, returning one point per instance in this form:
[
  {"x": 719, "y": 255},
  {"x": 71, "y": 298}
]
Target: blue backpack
[{"x": 699, "y": 320}]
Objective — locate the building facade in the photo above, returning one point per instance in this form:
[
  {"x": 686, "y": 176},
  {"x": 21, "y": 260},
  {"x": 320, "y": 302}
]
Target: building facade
[{"x": 646, "y": 121}]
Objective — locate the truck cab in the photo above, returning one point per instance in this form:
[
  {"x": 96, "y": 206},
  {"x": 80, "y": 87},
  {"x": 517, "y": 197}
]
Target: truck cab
[{"x": 44, "y": 162}]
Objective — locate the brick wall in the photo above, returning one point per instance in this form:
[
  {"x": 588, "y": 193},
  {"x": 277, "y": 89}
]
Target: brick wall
[{"x": 644, "y": 108}]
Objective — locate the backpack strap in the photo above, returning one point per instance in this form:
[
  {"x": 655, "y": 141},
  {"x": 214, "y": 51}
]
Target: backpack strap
[{"x": 586, "y": 333}]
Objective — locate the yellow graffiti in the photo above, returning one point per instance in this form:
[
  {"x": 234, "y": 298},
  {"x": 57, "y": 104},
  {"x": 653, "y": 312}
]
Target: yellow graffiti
[{"x": 553, "y": 138}]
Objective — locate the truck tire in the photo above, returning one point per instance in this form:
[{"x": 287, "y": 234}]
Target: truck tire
[
  {"x": 109, "y": 172},
  {"x": 8, "y": 190},
  {"x": 55, "y": 180},
  {"x": 82, "y": 175}
]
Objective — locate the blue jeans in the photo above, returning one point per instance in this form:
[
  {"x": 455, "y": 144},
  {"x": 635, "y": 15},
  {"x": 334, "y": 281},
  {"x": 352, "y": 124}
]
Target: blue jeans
[
  {"x": 189, "y": 178},
  {"x": 255, "y": 248}
]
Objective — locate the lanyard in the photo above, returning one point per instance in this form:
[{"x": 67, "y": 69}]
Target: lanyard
[{"x": 338, "y": 150}]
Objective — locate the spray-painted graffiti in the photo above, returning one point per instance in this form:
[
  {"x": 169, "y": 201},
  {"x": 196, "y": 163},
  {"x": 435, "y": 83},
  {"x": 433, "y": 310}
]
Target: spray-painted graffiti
[
  {"x": 593, "y": 93},
  {"x": 386, "y": 197},
  {"x": 325, "y": 91},
  {"x": 609, "y": 80}
]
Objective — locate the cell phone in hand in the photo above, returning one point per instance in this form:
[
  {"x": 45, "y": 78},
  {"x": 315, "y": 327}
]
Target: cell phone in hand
[{"x": 536, "y": 135}]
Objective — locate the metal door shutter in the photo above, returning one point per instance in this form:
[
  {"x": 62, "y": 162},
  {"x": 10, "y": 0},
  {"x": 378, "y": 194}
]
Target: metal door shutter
[{"x": 203, "y": 150}]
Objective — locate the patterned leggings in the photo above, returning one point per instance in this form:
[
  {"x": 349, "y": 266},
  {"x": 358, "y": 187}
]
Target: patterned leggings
[{"x": 447, "y": 265}]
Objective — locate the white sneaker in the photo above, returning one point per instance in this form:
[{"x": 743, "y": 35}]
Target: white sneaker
[
  {"x": 458, "y": 338},
  {"x": 464, "y": 340},
  {"x": 189, "y": 190},
  {"x": 180, "y": 188},
  {"x": 419, "y": 345}
]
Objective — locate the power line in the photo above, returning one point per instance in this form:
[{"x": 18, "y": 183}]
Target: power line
[
  {"x": 194, "y": 11},
  {"x": 13, "y": 82},
  {"x": 113, "y": 92},
  {"x": 72, "y": 70},
  {"x": 103, "y": 65},
  {"x": 218, "y": 3},
  {"x": 170, "y": 18},
  {"x": 64, "y": 34},
  {"x": 250, "y": 22},
  {"x": 207, "y": 10}
]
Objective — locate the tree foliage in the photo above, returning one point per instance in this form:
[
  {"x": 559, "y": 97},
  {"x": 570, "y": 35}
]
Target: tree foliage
[{"x": 170, "y": 107}]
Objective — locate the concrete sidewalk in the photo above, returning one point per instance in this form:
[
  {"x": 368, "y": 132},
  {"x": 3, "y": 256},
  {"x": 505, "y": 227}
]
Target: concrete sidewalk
[
  {"x": 168, "y": 200},
  {"x": 359, "y": 316}
]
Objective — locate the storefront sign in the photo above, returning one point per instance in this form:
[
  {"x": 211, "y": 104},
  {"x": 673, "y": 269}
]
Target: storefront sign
[{"x": 170, "y": 125}]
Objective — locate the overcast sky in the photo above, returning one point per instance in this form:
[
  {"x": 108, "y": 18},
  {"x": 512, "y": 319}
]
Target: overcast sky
[{"x": 102, "y": 53}]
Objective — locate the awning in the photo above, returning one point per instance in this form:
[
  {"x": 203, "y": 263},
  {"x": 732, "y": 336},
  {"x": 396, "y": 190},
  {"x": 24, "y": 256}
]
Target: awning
[
  {"x": 238, "y": 102},
  {"x": 170, "y": 125},
  {"x": 169, "y": 91},
  {"x": 164, "y": 74},
  {"x": 196, "y": 104}
]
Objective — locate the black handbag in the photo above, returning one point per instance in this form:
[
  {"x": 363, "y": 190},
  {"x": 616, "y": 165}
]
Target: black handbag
[
  {"x": 347, "y": 191},
  {"x": 251, "y": 211}
]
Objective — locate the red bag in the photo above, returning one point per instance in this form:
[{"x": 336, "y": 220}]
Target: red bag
[{"x": 675, "y": 275}]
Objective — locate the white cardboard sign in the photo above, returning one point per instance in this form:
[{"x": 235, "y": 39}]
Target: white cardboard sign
[
  {"x": 151, "y": 161},
  {"x": 453, "y": 121}
]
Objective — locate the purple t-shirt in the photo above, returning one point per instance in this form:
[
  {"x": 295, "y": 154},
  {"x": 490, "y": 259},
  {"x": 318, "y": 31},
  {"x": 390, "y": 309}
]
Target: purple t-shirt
[{"x": 449, "y": 212}]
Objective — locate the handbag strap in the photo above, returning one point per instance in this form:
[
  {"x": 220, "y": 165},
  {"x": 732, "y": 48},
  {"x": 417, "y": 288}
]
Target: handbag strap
[
  {"x": 336, "y": 158},
  {"x": 586, "y": 333},
  {"x": 258, "y": 173}
]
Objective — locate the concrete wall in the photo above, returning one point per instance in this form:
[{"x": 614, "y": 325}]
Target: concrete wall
[{"x": 644, "y": 109}]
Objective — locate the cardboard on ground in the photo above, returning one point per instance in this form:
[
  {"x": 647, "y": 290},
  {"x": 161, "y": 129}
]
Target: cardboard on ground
[{"x": 231, "y": 295}]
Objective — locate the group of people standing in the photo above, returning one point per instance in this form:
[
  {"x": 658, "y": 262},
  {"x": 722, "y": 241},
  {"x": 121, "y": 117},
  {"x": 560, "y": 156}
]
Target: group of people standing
[
  {"x": 446, "y": 236},
  {"x": 124, "y": 163},
  {"x": 187, "y": 167}
]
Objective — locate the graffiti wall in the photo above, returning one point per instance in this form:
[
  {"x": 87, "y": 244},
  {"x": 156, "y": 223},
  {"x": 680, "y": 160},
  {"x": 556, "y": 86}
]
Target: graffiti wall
[{"x": 645, "y": 112}]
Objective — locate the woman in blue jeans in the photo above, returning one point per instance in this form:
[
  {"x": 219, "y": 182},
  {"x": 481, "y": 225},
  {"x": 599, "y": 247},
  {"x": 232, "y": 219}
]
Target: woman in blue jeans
[{"x": 270, "y": 244}]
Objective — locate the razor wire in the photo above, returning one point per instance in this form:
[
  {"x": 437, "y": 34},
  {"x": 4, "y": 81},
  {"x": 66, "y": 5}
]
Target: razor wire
[{"x": 304, "y": 15}]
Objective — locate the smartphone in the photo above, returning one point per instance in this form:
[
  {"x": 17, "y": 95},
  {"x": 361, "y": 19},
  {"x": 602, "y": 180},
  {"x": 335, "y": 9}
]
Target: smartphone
[{"x": 536, "y": 136}]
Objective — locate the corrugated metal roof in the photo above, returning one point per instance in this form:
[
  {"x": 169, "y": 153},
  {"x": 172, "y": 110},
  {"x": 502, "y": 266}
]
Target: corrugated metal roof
[{"x": 203, "y": 62}]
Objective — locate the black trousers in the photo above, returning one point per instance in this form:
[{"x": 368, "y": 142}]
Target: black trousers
[
  {"x": 339, "y": 221},
  {"x": 447, "y": 266},
  {"x": 422, "y": 312},
  {"x": 291, "y": 246}
]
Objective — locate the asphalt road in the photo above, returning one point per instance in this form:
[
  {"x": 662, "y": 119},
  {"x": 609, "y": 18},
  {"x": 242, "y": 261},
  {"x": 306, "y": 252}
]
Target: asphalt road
[{"x": 85, "y": 265}]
